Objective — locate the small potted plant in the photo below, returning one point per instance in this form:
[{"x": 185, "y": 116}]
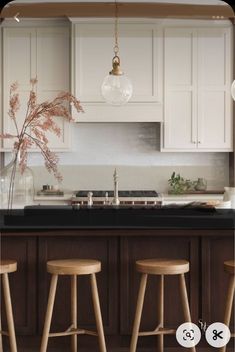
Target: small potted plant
[{"x": 180, "y": 185}]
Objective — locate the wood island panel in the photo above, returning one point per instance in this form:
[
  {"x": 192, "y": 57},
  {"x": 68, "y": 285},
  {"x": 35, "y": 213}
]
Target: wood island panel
[
  {"x": 215, "y": 251},
  {"x": 22, "y": 282},
  {"x": 118, "y": 283},
  {"x": 155, "y": 247}
]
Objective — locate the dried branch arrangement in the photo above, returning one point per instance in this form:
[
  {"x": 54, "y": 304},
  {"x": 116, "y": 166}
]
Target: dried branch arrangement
[{"x": 39, "y": 119}]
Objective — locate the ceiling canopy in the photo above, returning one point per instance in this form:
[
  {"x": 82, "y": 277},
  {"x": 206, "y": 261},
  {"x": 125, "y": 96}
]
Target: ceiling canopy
[{"x": 196, "y": 9}]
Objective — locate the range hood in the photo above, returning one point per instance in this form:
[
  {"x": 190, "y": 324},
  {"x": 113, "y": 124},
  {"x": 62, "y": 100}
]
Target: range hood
[{"x": 193, "y": 9}]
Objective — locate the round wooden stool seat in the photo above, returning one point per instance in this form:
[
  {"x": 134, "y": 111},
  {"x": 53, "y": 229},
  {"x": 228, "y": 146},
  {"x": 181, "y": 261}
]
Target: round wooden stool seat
[
  {"x": 74, "y": 266},
  {"x": 162, "y": 266},
  {"x": 229, "y": 266},
  {"x": 7, "y": 266}
]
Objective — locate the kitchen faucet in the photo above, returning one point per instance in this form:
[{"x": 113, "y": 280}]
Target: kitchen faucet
[
  {"x": 89, "y": 200},
  {"x": 115, "y": 200}
]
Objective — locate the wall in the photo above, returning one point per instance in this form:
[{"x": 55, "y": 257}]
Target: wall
[{"x": 134, "y": 149}]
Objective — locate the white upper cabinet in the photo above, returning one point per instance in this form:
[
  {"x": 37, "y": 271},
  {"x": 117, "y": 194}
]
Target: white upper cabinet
[
  {"x": 181, "y": 72},
  {"x": 42, "y": 52},
  {"x": 141, "y": 60},
  {"x": 197, "y": 78}
]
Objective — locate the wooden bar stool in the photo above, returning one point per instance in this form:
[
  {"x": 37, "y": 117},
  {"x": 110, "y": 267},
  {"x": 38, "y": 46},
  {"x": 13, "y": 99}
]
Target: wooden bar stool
[
  {"x": 73, "y": 267},
  {"x": 6, "y": 267},
  {"x": 160, "y": 267},
  {"x": 229, "y": 267}
]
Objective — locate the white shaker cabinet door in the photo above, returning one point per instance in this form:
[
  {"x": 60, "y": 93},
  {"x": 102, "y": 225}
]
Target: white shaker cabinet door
[
  {"x": 179, "y": 128},
  {"x": 19, "y": 65},
  {"x": 197, "y": 79},
  {"x": 141, "y": 60},
  {"x": 214, "y": 82},
  {"x": 53, "y": 73},
  {"x": 41, "y": 53}
]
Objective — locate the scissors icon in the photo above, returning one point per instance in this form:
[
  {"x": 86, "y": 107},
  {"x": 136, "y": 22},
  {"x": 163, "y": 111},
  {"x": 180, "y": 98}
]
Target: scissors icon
[{"x": 217, "y": 335}]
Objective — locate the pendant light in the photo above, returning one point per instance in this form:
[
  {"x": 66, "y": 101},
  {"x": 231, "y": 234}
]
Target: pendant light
[
  {"x": 233, "y": 90},
  {"x": 116, "y": 88}
]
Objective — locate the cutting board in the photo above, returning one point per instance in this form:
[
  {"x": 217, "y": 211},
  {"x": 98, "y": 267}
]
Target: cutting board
[{"x": 216, "y": 191}]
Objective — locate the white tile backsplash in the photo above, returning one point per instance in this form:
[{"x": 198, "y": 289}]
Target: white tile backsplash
[{"x": 135, "y": 149}]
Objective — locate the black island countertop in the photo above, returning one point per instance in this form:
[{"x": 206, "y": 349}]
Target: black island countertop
[
  {"x": 52, "y": 217},
  {"x": 118, "y": 237}
]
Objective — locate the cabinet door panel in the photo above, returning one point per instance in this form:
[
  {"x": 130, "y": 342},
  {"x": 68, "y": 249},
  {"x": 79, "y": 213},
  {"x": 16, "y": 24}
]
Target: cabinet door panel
[
  {"x": 179, "y": 76},
  {"x": 212, "y": 58},
  {"x": 178, "y": 56},
  {"x": 212, "y": 122},
  {"x": 214, "y": 81},
  {"x": 19, "y": 64},
  {"x": 53, "y": 75},
  {"x": 53, "y": 59},
  {"x": 22, "y": 282},
  {"x": 198, "y": 60},
  {"x": 178, "y": 128},
  {"x": 215, "y": 251},
  {"x": 42, "y": 53}
]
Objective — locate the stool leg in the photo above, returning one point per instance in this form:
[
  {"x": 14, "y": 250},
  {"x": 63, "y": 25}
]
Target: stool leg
[
  {"x": 184, "y": 297},
  {"x": 1, "y": 348},
  {"x": 138, "y": 313},
  {"x": 229, "y": 304},
  {"x": 74, "y": 311},
  {"x": 98, "y": 317},
  {"x": 50, "y": 305},
  {"x": 161, "y": 312},
  {"x": 10, "y": 321}
]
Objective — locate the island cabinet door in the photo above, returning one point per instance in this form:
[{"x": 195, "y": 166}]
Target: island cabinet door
[
  {"x": 143, "y": 247},
  {"x": 215, "y": 251},
  {"x": 22, "y": 282},
  {"x": 65, "y": 247}
]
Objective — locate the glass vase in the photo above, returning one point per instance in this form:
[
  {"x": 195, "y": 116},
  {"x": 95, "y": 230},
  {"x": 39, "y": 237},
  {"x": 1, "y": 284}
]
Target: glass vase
[{"x": 17, "y": 189}]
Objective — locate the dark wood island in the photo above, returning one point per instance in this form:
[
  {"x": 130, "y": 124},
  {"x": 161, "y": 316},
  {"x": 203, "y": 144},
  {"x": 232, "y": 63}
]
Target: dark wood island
[{"x": 117, "y": 247}]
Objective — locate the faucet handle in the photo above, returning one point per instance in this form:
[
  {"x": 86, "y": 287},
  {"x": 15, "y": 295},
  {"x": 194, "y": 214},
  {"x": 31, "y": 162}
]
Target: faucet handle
[{"x": 89, "y": 200}]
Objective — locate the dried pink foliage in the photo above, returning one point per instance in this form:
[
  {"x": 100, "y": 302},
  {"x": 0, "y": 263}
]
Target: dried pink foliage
[{"x": 39, "y": 119}]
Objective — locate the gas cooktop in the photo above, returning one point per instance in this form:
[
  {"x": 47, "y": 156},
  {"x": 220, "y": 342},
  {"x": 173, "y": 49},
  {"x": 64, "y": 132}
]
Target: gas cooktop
[
  {"x": 137, "y": 197},
  {"x": 121, "y": 194}
]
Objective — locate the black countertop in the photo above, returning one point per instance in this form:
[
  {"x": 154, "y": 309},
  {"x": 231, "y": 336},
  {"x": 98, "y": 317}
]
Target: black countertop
[{"x": 61, "y": 217}]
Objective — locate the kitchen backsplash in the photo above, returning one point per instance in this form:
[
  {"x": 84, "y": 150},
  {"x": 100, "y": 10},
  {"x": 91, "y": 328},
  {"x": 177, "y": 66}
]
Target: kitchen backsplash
[
  {"x": 130, "y": 177},
  {"x": 134, "y": 148}
]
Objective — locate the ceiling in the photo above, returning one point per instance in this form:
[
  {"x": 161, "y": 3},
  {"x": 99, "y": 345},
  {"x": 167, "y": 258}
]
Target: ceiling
[{"x": 196, "y": 9}]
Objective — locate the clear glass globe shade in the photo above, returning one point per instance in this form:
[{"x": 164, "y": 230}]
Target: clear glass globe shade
[
  {"x": 116, "y": 90},
  {"x": 233, "y": 90}
]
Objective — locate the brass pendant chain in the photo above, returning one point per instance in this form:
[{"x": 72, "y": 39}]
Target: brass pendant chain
[{"x": 116, "y": 47}]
